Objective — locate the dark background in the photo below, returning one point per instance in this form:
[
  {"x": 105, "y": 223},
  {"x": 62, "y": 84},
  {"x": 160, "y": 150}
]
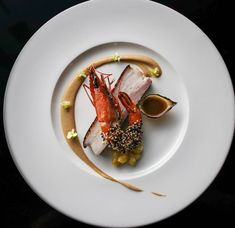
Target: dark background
[{"x": 20, "y": 206}]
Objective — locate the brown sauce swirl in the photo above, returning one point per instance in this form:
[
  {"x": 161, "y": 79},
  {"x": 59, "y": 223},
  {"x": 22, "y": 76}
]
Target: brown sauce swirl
[{"x": 68, "y": 118}]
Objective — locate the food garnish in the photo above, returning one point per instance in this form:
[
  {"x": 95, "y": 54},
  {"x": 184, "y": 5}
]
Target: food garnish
[
  {"x": 116, "y": 57},
  {"x": 66, "y": 105},
  {"x": 72, "y": 134},
  {"x": 155, "y": 72},
  {"x": 82, "y": 75}
]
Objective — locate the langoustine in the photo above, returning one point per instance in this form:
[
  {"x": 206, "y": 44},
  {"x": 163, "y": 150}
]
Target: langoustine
[
  {"x": 131, "y": 81},
  {"x": 108, "y": 113}
]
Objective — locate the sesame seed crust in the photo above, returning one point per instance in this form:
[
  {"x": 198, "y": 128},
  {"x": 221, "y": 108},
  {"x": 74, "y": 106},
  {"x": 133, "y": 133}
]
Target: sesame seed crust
[{"x": 124, "y": 140}]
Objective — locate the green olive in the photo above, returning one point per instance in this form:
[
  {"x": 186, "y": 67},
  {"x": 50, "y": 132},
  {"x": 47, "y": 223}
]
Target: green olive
[
  {"x": 115, "y": 154},
  {"x": 115, "y": 162},
  {"x": 132, "y": 161},
  {"x": 123, "y": 159},
  {"x": 139, "y": 149},
  {"x": 137, "y": 156}
]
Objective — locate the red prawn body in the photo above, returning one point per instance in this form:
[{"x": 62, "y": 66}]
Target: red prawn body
[
  {"x": 106, "y": 106},
  {"x": 108, "y": 113},
  {"x": 134, "y": 111}
]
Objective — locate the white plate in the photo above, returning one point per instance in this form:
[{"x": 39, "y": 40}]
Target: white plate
[{"x": 183, "y": 151}]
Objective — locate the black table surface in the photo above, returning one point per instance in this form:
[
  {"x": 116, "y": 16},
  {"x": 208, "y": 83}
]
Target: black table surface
[{"x": 20, "y": 206}]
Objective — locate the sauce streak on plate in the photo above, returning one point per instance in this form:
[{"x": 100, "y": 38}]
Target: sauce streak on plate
[{"x": 68, "y": 116}]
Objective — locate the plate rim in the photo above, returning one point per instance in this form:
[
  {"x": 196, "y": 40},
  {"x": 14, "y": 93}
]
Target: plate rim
[{"x": 10, "y": 79}]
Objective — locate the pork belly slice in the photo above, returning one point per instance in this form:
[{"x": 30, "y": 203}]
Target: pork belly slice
[{"x": 135, "y": 84}]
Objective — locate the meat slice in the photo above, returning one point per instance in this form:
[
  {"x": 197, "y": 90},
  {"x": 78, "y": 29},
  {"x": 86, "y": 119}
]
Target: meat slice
[{"x": 135, "y": 84}]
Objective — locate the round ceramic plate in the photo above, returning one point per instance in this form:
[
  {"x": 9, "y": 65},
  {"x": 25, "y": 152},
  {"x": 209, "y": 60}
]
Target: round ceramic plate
[{"x": 183, "y": 151}]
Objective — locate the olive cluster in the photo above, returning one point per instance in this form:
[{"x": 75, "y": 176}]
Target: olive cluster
[{"x": 130, "y": 158}]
